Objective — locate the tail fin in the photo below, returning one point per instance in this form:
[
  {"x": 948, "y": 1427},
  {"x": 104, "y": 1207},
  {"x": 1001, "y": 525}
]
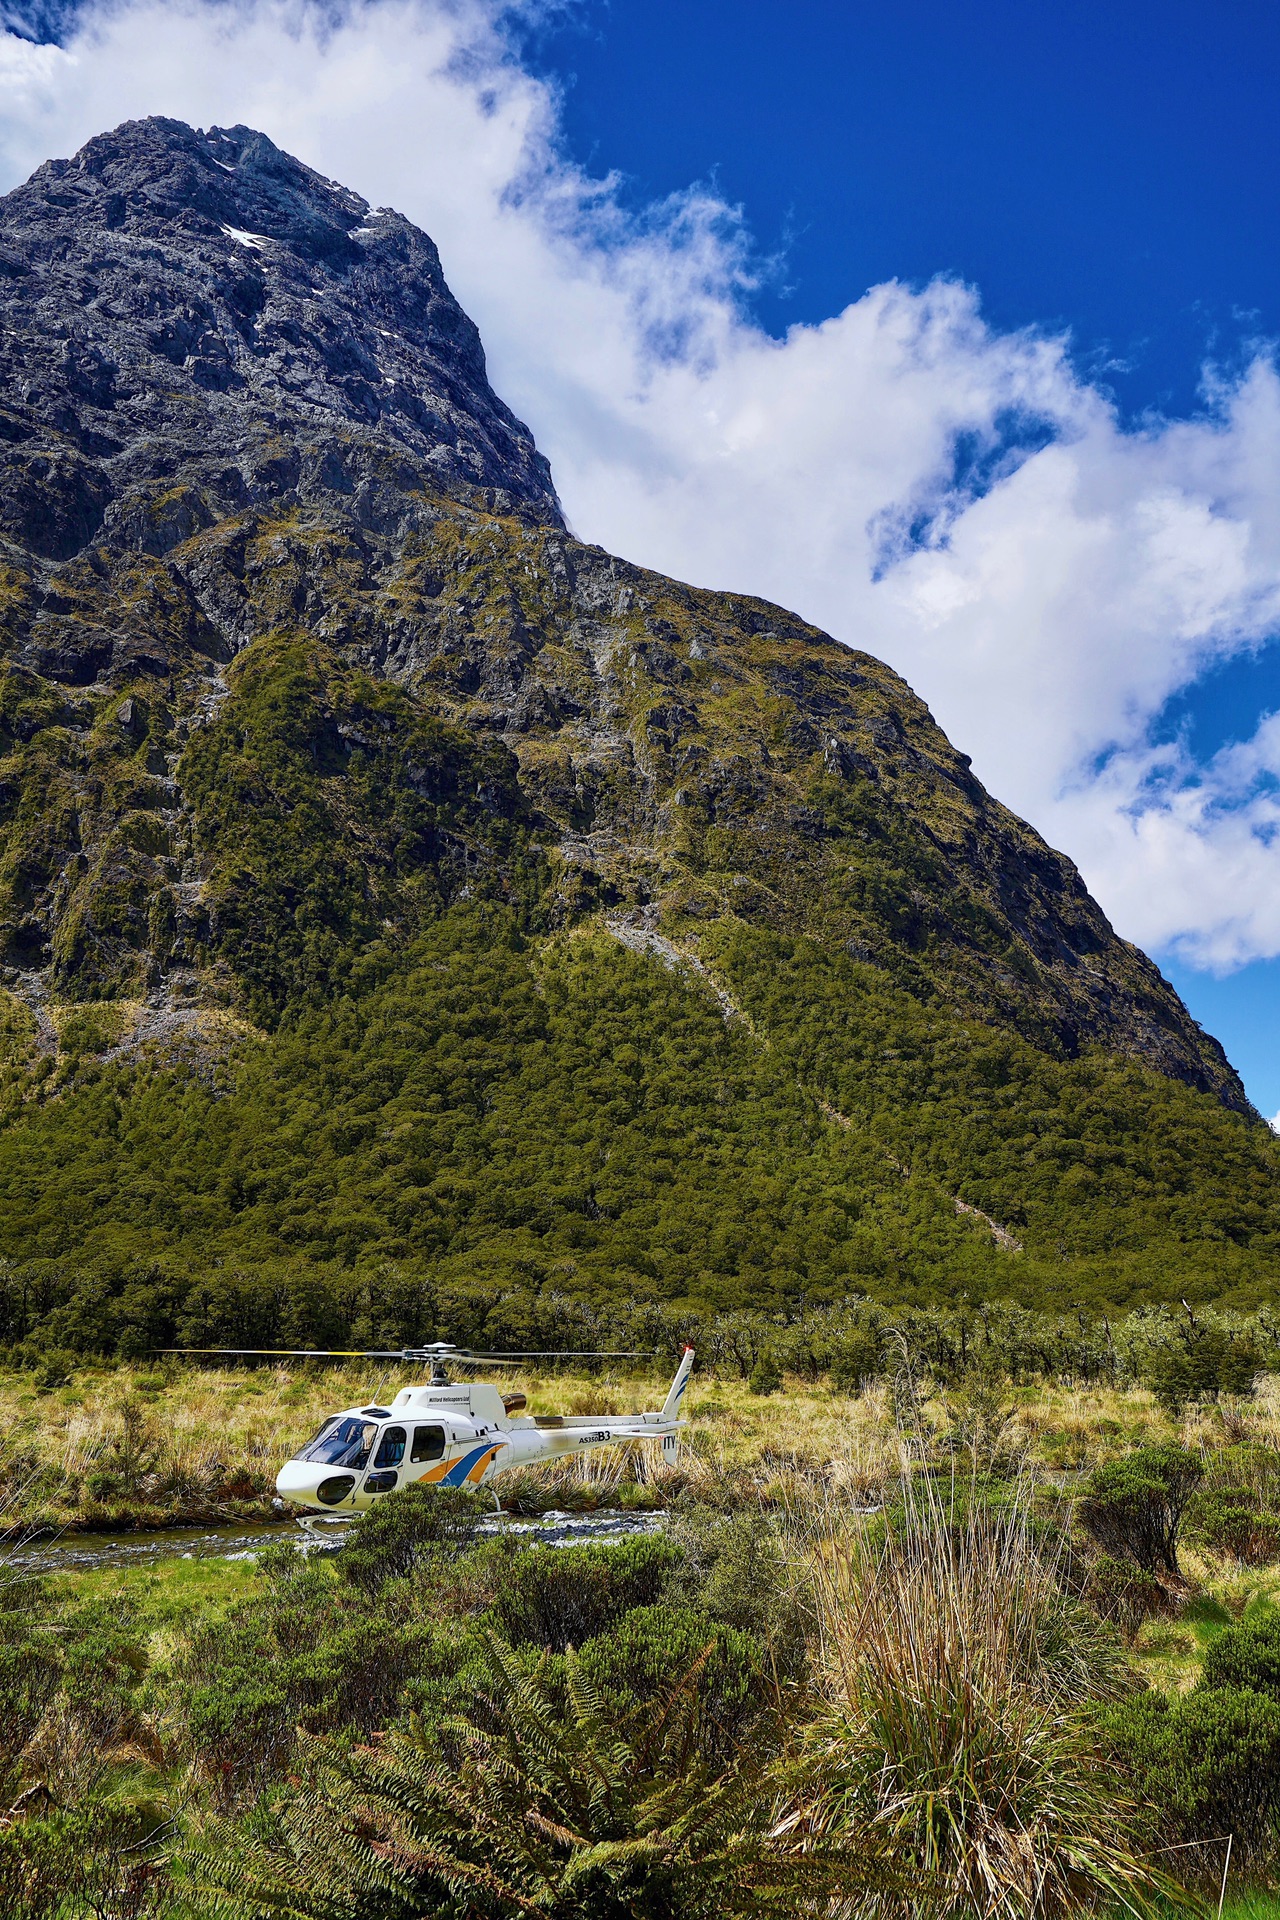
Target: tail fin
[{"x": 671, "y": 1405}]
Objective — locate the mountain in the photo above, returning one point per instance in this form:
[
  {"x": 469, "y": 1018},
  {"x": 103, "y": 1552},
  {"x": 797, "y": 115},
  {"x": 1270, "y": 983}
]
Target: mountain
[{"x": 388, "y": 877}]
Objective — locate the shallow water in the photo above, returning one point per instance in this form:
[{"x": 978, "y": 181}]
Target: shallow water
[{"x": 80, "y": 1552}]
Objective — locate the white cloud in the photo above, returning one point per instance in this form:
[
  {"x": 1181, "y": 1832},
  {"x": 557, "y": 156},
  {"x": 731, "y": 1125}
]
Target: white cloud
[{"x": 1047, "y": 616}]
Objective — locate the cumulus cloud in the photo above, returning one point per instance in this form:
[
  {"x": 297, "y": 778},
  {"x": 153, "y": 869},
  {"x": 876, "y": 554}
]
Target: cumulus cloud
[{"x": 955, "y": 499}]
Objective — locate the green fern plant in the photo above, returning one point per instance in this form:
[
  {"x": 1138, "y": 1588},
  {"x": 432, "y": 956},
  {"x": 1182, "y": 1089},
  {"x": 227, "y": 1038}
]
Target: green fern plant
[{"x": 537, "y": 1800}]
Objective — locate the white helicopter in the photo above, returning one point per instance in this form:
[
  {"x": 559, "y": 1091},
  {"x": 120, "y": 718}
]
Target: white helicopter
[{"x": 446, "y": 1434}]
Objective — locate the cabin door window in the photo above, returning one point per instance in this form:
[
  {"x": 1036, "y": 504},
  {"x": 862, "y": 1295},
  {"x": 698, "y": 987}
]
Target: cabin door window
[{"x": 391, "y": 1448}]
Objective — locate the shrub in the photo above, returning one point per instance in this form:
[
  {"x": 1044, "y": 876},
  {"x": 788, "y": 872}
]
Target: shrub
[
  {"x": 1122, "y": 1593},
  {"x": 407, "y": 1528},
  {"x": 135, "y": 1452},
  {"x": 1249, "y": 1468},
  {"x": 55, "y": 1369},
  {"x": 1202, "y": 1365},
  {"x": 1135, "y": 1505},
  {"x": 102, "y": 1858},
  {"x": 857, "y": 1358},
  {"x": 29, "y": 1676},
  {"x": 765, "y": 1376},
  {"x": 558, "y": 1597},
  {"x": 1247, "y": 1655},
  {"x": 1207, "y": 1764},
  {"x": 982, "y": 1418},
  {"x": 1228, "y": 1522},
  {"x": 733, "y": 1570},
  {"x": 545, "y": 1802},
  {"x": 632, "y": 1664},
  {"x": 311, "y": 1653},
  {"x": 104, "y": 1658}
]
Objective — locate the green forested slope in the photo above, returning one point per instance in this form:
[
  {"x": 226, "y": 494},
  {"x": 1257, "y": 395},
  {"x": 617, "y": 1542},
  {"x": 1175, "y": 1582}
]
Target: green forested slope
[
  {"x": 491, "y": 1120},
  {"x": 1095, "y": 1159}
]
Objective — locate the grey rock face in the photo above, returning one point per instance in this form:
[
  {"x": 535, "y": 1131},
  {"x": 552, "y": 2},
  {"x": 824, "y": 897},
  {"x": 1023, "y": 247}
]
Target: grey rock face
[{"x": 201, "y": 308}]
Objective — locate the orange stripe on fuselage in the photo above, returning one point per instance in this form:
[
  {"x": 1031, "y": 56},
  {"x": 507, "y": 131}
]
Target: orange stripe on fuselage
[
  {"x": 480, "y": 1465},
  {"x": 445, "y": 1467}
]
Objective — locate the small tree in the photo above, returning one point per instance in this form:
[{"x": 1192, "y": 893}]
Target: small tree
[
  {"x": 1201, "y": 1363},
  {"x": 1134, "y": 1506},
  {"x": 766, "y": 1375}
]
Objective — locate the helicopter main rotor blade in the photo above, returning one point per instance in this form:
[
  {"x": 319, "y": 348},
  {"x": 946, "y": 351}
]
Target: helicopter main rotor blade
[
  {"x": 456, "y": 1357},
  {"x": 453, "y": 1356},
  {"x": 553, "y": 1352},
  {"x": 289, "y": 1353}
]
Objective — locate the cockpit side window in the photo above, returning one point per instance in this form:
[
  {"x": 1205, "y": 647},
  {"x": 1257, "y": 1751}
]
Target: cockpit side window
[
  {"x": 428, "y": 1443},
  {"x": 391, "y": 1451},
  {"x": 341, "y": 1443}
]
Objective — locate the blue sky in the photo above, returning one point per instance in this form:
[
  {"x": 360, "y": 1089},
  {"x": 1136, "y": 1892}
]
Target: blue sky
[
  {"x": 1111, "y": 171},
  {"x": 898, "y": 315}
]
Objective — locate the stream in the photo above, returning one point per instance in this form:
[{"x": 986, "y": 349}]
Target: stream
[{"x": 81, "y": 1552}]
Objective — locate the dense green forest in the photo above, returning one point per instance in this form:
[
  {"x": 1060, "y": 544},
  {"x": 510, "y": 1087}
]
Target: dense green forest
[
  {"x": 406, "y": 1021},
  {"x": 488, "y": 1124}
]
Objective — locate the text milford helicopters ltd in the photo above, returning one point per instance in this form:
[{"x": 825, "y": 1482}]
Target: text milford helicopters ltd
[{"x": 447, "y": 1434}]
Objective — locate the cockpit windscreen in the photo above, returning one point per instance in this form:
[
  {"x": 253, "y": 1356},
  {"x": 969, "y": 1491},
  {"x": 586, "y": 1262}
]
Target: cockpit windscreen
[{"x": 344, "y": 1442}]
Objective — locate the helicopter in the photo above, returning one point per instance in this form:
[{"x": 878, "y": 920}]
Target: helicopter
[{"x": 446, "y": 1434}]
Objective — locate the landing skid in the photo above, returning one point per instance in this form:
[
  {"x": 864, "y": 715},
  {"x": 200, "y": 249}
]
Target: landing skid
[{"x": 311, "y": 1523}]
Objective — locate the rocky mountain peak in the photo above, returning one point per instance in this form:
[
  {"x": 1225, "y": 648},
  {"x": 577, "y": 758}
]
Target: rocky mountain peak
[
  {"x": 296, "y": 655},
  {"x": 202, "y": 308}
]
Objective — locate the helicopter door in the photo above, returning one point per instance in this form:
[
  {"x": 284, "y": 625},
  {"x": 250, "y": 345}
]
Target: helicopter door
[{"x": 386, "y": 1461}]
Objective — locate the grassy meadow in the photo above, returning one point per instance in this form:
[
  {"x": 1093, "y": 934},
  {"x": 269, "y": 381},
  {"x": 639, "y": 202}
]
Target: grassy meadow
[
  {"x": 906, "y": 1650},
  {"x": 117, "y": 1445}
]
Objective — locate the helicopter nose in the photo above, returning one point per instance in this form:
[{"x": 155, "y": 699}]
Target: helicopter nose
[
  {"x": 298, "y": 1481},
  {"x": 309, "y": 1485}
]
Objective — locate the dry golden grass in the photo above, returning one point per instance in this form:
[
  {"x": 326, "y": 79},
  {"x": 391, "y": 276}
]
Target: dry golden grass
[{"x": 233, "y": 1427}]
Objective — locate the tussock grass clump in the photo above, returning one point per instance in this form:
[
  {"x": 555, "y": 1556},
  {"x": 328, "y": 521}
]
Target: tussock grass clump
[{"x": 952, "y": 1734}]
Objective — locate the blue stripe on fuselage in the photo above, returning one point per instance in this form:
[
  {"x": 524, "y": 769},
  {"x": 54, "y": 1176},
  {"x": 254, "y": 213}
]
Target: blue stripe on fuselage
[{"x": 461, "y": 1468}]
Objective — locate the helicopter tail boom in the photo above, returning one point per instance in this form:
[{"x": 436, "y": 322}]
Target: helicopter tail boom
[{"x": 567, "y": 1433}]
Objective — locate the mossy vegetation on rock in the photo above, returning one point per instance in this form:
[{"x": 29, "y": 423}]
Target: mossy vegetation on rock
[
  {"x": 490, "y": 706},
  {"x": 329, "y": 810}
]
